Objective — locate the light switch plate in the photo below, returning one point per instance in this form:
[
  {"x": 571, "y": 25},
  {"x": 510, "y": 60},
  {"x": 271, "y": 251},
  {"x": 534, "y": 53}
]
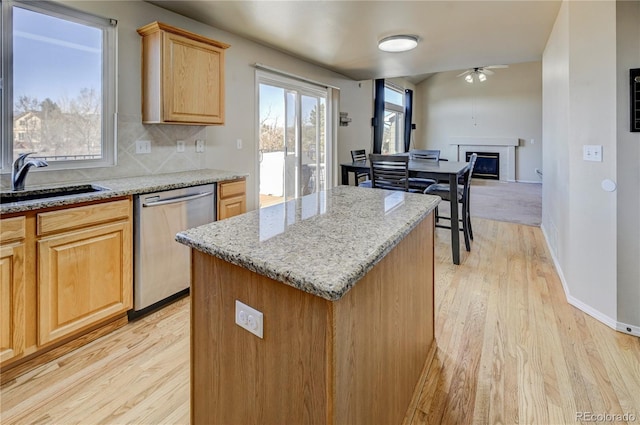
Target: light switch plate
[
  {"x": 250, "y": 319},
  {"x": 143, "y": 146},
  {"x": 592, "y": 153}
]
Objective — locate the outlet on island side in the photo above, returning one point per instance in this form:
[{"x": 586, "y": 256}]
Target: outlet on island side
[{"x": 250, "y": 319}]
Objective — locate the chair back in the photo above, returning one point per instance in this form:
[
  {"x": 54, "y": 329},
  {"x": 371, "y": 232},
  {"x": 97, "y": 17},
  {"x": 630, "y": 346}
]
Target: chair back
[
  {"x": 468, "y": 172},
  {"x": 432, "y": 154},
  {"x": 359, "y": 155},
  {"x": 472, "y": 163},
  {"x": 389, "y": 171}
]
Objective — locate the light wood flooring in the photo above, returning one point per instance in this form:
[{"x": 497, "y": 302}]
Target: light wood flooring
[{"x": 510, "y": 350}]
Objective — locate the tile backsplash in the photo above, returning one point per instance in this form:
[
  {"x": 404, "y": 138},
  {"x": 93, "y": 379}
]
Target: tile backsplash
[{"x": 163, "y": 158}]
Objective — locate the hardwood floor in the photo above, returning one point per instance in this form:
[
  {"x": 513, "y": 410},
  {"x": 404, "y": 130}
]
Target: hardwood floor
[{"x": 509, "y": 350}]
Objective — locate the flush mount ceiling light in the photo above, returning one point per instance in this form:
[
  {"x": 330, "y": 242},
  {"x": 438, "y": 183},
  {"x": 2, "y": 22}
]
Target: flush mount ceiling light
[{"x": 398, "y": 43}]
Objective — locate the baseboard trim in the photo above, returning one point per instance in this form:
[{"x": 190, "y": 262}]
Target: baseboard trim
[
  {"x": 529, "y": 181},
  {"x": 596, "y": 314},
  {"x": 591, "y": 311},
  {"x": 628, "y": 329}
]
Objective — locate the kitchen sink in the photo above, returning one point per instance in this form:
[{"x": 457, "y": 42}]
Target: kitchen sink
[{"x": 53, "y": 192}]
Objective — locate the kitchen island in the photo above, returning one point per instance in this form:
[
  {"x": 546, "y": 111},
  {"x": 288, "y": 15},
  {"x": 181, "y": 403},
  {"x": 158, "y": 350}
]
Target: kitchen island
[{"x": 344, "y": 282}]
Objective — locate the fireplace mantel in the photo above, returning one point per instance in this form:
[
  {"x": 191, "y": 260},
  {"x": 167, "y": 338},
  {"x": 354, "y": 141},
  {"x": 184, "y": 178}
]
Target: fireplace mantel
[{"x": 505, "y": 146}]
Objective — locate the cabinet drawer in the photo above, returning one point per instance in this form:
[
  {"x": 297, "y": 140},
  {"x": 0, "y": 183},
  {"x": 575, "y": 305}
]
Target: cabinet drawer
[
  {"x": 230, "y": 189},
  {"x": 12, "y": 229},
  {"x": 74, "y": 218}
]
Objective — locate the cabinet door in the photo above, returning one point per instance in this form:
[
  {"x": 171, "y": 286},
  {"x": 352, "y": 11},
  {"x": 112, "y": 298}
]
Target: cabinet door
[
  {"x": 231, "y": 206},
  {"x": 12, "y": 301},
  {"x": 84, "y": 277},
  {"x": 193, "y": 80}
]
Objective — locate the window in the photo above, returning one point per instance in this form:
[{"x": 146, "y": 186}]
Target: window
[
  {"x": 59, "y": 85},
  {"x": 393, "y": 135}
]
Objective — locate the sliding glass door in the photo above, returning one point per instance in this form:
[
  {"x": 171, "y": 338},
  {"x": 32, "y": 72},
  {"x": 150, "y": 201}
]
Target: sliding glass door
[{"x": 293, "y": 148}]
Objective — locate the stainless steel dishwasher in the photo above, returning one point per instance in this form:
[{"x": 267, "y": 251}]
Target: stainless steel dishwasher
[{"x": 162, "y": 266}]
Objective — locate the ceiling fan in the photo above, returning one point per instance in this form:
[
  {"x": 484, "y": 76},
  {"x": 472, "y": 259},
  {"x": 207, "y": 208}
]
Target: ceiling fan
[{"x": 479, "y": 73}]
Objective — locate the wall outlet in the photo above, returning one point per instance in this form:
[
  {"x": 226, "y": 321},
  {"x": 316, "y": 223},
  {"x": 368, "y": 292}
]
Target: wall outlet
[
  {"x": 199, "y": 146},
  {"x": 592, "y": 153},
  {"x": 250, "y": 319},
  {"x": 180, "y": 146},
  {"x": 143, "y": 146},
  {"x": 239, "y": 143}
]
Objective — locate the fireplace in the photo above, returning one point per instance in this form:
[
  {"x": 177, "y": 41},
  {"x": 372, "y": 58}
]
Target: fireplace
[
  {"x": 487, "y": 165},
  {"x": 505, "y": 147}
]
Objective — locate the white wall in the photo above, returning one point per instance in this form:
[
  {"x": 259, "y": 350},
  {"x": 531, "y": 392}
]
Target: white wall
[
  {"x": 628, "y": 56},
  {"x": 221, "y": 152},
  {"x": 579, "y": 218},
  {"x": 507, "y": 104}
]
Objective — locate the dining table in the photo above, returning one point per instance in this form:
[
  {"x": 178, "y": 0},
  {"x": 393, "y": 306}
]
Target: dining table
[{"x": 450, "y": 171}]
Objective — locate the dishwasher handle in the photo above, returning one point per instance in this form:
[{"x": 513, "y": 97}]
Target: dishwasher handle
[{"x": 176, "y": 200}]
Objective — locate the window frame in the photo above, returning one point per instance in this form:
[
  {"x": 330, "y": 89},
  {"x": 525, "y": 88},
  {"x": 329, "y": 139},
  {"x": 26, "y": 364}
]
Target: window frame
[{"x": 109, "y": 82}]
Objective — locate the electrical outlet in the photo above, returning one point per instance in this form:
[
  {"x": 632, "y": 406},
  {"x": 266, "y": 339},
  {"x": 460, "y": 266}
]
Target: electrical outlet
[
  {"x": 249, "y": 319},
  {"x": 199, "y": 146},
  {"x": 592, "y": 153},
  {"x": 239, "y": 143},
  {"x": 180, "y": 146},
  {"x": 143, "y": 146}
]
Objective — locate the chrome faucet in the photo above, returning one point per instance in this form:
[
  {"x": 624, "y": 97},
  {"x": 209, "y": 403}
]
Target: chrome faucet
[{"x": 21, "y": 167}]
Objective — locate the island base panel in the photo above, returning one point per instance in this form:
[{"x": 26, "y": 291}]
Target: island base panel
[{"x": 352, "y": 361}]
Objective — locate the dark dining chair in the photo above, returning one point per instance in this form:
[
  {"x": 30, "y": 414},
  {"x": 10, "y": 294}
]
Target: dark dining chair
[
  {"x": 419, "y": 181},
  {"x": 389, "y": 172},
  {"x": 428, "y": 154},
  {"x": 360, "y": 155},
  {"x": 463, "y": 193}
]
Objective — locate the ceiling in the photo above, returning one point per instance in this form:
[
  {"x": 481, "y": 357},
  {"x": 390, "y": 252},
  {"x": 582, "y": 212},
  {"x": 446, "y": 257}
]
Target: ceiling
[{"x": 343, "y": 35}]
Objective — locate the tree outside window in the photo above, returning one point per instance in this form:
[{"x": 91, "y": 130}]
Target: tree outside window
[{"x": 61, "y": 67}]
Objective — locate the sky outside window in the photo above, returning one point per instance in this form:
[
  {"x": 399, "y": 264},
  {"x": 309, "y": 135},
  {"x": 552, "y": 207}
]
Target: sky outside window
[{"x": 54, "y": 58}]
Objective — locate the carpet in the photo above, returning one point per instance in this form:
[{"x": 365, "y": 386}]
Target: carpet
[{"x": 504, "y": 201}]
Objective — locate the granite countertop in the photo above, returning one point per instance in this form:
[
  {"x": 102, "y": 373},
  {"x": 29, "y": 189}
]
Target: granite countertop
[
  {"x": 322, "y": 243},
  {"x": 121, "y": 187}
]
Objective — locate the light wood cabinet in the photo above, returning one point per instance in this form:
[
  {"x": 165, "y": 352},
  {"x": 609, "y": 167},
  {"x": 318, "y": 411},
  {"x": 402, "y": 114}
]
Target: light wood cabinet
[
  {"x": 12, "y": 288},
  {"x": 232, "y": 198},
  {"x": 182, "y": 76},
  {"x": 84, "y": 267},
  {"x": 65, "y": 279}
]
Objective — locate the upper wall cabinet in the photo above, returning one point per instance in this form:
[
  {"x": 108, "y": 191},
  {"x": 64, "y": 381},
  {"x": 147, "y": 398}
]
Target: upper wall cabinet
[{"x": 182, "y": 77}]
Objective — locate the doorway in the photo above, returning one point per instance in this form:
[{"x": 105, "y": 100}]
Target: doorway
[{"x": 293, "y": 150}]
